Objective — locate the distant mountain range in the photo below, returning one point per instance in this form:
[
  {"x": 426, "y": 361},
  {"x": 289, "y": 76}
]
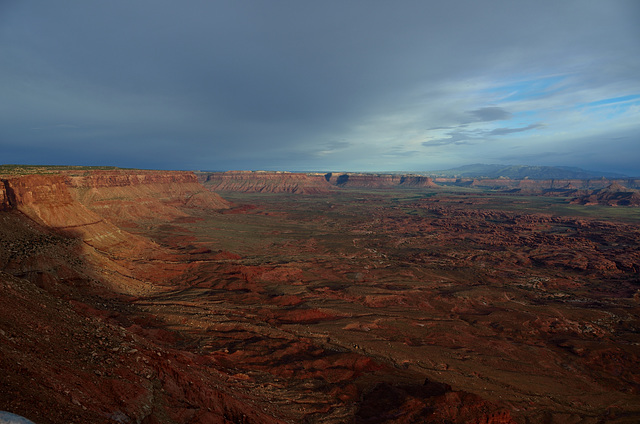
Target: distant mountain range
[{"x": 480, "y": 170}]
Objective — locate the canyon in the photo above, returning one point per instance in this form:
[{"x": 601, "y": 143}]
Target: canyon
[{"x": 131, "y": 296}]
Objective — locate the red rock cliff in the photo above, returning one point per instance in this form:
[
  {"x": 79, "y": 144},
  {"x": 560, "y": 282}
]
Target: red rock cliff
[
  {"x": 417, "y": 181},
  {"x": 299, "y": 183},
  {"x": 136, "y": 195},
  {"x": 49, "y": 201},
  {"x": 380, "y": 180},
  {"x": 86, "y": 203},
  {"x": 266, "y": 182},
  {"x": 4, "y": 200}
]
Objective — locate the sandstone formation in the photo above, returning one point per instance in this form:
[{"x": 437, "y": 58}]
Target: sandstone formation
[
  {"x": 613, "y": 195},
  {"x": 379, "y": 180},
  {"x": 135, "y": 195},
  {"x": 4, "y": 199},
  {"x": 88, "y": 205},
  {"x": 266, "y": 182},
  {"x": 48, "y": 201},
  {"x": 309, "y": 183}
]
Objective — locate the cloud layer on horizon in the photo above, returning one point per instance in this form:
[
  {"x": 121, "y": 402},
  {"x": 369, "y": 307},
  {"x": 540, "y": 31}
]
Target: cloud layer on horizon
[{"x": 320, "y": 85}]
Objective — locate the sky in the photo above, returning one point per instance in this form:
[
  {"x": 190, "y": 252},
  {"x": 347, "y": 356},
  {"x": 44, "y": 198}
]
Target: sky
[{"x": 328, "y": 85}]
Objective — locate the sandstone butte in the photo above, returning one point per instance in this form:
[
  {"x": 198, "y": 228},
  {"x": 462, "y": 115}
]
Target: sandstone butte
[{"x": 101, "y": 322}]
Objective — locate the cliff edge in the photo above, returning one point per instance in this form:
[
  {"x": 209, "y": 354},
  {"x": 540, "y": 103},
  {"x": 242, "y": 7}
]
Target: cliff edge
[{"x": 266, "y": 182}]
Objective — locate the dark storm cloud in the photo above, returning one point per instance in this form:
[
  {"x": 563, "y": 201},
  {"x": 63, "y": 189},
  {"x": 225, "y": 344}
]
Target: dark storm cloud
[
  {"x": 490, "y": 114},
  {"x": 252, "y": 84}
]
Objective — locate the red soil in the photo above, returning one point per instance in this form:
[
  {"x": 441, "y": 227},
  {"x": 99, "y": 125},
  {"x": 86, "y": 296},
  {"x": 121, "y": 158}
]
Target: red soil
[{"x": 429, "y": 310}]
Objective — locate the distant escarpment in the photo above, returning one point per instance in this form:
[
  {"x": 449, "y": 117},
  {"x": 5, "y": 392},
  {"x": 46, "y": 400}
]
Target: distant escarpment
[
  {"x": 317, "y": 183},
  {"x": 306, "y": 183},
  {"x": 613, "y": 195},
  {"x": 550, "y": 186},
  {"x": 265, "y": 182},
  {"x": 358, "y": 180},
  {"x": 519, "y": 172}
]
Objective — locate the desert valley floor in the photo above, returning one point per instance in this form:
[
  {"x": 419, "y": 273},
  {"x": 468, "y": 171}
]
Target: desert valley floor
[{"x": 148, "y": 300}]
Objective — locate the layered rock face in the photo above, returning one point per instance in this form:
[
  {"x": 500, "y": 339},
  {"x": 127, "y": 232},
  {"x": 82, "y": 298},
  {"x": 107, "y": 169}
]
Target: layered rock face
[
  {"x": 48, "y": 200},
  {"x": 131, "y": 195},
  {"x": 87, "y": 203},
  {"x": 97, "y": 206},
  {"x": 380, "y": 180},
  {"x": 4, "y": 200},
  {"x": 266, "y": 182},
  {"x": 417, "y": 181},
  {"x": 299, "y": 183}
]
